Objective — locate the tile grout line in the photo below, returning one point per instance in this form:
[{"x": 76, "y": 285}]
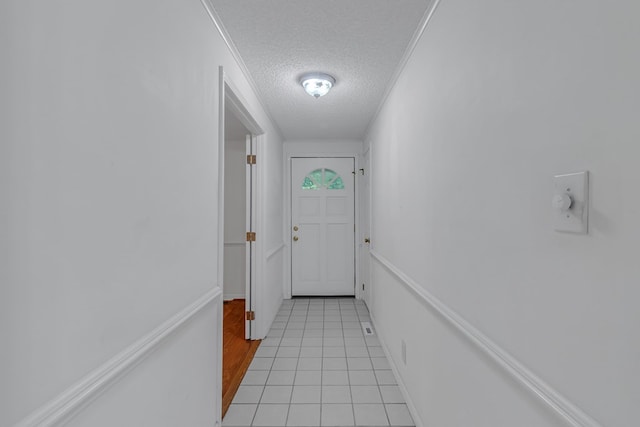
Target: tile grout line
[
  {"x": 324, "y": 318},
  {"x": 265, "y": 382},
  {"x": 384, "y": 406},
  {"x": 276, "y": 356},
  {"x": 301, "y": 312},
  {"x": 324, "y": 307},
  {"x": 346, "y": 360},
  {"x": 353, "y": 406},
  {"x": 295, "y": 374}
]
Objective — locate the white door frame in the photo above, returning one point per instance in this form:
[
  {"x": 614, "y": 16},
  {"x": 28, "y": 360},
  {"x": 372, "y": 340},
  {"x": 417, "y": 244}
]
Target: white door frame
[
  {"x": 287, "y": 211},
  {"x": 231, "y": 97},
  {"x": 365, "y": 228},
  {"x": 344, "y": 167},
  {"x": 250, "y": 246}
]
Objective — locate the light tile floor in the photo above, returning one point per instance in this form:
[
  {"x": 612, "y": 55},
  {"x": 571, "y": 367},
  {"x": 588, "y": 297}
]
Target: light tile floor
[{"x": 317, "y": 368}]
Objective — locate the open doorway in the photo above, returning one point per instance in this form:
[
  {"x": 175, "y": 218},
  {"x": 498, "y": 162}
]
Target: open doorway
[
  {"x": 235, "y": 209},
  {"x": 238, "y": 348},
  {"x": 238, "y": 250}
]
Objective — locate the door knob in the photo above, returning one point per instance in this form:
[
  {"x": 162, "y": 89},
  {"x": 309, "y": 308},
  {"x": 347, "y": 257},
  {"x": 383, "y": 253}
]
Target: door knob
[
  {"x": 367, "y": 240},
  {"x": 295, "y": 238}
]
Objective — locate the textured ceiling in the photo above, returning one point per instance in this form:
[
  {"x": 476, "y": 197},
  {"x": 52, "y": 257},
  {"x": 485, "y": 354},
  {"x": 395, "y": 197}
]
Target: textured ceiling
[{"x": 359, "y": 42}]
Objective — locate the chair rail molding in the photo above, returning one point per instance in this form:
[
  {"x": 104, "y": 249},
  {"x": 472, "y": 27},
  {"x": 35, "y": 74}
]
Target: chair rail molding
[
  {"x": 567, "y": 411},
  {"x": 77, "y": 397}
]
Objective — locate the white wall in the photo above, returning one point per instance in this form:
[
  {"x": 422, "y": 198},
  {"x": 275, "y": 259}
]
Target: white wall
[
  {"x": 322, "y": 147},
  {"x": 235, "y": 222},
  {"x": 109, "y": 201},
  {"x": 186, "y": 396},
  {"x": 497, "y": 98}
]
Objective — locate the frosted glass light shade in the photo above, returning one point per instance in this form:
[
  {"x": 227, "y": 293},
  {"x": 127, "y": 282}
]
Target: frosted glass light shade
[{"x": 317, "y": 84}]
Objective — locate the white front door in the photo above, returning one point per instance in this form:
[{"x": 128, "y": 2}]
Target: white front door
[{"x": 322, "y": 226}]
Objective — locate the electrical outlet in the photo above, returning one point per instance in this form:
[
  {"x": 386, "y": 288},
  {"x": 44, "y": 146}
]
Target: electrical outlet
[{"x": 404, "y": 352}]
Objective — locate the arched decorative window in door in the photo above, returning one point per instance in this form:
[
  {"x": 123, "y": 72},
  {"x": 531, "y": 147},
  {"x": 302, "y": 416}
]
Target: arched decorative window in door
[{"x": 323, "y": 178}]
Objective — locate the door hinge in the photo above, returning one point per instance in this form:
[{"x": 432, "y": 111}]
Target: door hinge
[
  {"x": 251, "y": 159},
  {"x": 251, "y": 236},
  {"x": 250, "y": 315}
]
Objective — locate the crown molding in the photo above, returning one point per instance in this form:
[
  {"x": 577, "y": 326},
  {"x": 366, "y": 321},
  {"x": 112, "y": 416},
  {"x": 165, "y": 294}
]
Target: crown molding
[
  {"x": 217, "y": 21},
  {"x": 417, "y": 35}
]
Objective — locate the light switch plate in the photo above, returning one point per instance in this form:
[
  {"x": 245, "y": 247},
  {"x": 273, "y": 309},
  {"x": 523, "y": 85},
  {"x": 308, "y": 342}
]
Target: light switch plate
[{"x": 576, "y": 218}]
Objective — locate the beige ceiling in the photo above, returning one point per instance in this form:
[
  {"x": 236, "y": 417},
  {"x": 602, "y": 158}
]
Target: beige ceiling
[{"x": 359, "y": 42}]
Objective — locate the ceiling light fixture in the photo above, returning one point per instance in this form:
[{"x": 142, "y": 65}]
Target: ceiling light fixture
[{"x": 317, "y": 84}]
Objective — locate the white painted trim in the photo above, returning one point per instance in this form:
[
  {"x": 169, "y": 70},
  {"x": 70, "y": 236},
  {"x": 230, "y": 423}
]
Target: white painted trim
[
  {"x": 271, "y": 252},
  {"x": 396, "y": 373},
  {"x": 260, "y": 327},
  {"x": 229, "y": 93},
  {"x": 568, "y": 412},
  {"x": 221, "y": 164},
  {"x": 215, "y": 18},
  {"x": 287, "y": 156},
  {"x": 254, "y": 277},
  {"x": 70, "y": 402},
  {"x": 426, "y": 18},
  {"x": 235, "y": 244},
  {"x": 237, "y": 105},
  {"x": 230, "y": 297}
]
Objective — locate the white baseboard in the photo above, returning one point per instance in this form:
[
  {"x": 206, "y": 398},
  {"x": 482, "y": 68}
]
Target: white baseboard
[
  {"x": 71, "y": 401},
  {"x": 229, "y": 297},
  {"x": 396, "y": 373},
  {"x": 567, "y": 411}
]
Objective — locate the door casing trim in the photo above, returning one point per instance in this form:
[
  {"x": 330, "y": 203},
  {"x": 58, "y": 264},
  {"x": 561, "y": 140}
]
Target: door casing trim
[
  {"x": 230, "y": 96},
  {"x": 357, "y": 156}
]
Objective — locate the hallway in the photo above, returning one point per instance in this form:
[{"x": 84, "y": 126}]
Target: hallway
[
  {"x": 502, "y": 296},
  {"x": 317, "y": 368}
]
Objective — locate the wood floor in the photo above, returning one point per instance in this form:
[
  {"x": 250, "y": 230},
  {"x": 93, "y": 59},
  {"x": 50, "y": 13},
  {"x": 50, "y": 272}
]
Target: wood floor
[{"x": 237, "y": 352}]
